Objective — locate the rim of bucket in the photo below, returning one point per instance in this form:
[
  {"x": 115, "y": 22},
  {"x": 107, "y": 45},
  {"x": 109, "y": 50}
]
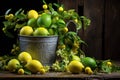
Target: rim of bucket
[{"x": 38, "y": 36}]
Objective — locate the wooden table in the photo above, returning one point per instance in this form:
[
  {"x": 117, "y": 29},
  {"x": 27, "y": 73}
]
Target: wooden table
[{"x": 59, "y": 76}]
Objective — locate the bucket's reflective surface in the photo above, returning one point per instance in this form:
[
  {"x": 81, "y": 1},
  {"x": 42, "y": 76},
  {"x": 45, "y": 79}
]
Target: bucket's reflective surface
[{"x": 41, "y": 48}]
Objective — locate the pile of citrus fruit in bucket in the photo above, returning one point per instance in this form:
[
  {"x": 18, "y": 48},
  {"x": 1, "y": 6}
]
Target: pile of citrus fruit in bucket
[{"x": 48, "y": 22}]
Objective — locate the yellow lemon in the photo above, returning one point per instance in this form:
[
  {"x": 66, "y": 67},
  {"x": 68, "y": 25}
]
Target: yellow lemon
[
  {"x": 32, "y": 14},
  {"x": 24, "y": 57},
  {"x": 13, "y": 64},
  {"x": 60, "y": 9},
  {"x": 21, "y": 71},
  {"x": 76, "y": 20},
  {"x": 34, "y": 66},
  {"x": 42, "y": 71},
  {"x": 88, "y": 70},
  {"x": 61, "y": 46},
  {"x": 64, "y": 30},
  {"x": 75, "y": 67},
  {"x": 26, "y": 30},
  {"x": 45, "y": 6},
  {"x": 109, "y": 63},
  {"x": 41, "y": 31}
]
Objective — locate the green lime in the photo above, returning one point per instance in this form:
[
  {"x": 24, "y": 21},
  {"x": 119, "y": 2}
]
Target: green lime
[
  {"x": 89, "y": 62},
  {"x": 32, "y": 22},
  {"x": 44, "y": 20}
]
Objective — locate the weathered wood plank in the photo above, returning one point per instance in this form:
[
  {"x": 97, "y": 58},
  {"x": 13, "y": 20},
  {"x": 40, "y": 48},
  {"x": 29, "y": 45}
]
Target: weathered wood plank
[
  {"x": 93, "y": 35},
  {"x": 112, "y": 29},
  {"x": 58, "y": 76}
]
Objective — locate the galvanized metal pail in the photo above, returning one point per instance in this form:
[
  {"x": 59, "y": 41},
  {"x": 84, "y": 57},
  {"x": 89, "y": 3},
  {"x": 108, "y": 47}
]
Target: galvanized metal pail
[{"x": 41, "y": 48}]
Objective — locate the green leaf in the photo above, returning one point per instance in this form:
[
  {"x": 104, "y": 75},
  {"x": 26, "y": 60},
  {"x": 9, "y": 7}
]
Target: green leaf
[
  {"x": 28, "y": 72},
  {"x": 115, "y": 68},
  {"x": 57, "y": 5},
  {"x": 9, "y": 24},
  {"x": 86, "y": 21},
  {"x": 18, "y": 12},
  {"x": 21, "y": 17},
  {"x": 54, "y": 26},
  {"x": 79, "y": 25},
  {"x": 44, "y": 2},
  {"x": 50, "y": 7},
  {"x": 18, "y": 26},
  {"x": 7, "y": 12},
  {"x": 9, "y": 34},
  {"x": 55, "y": 13},
  {"x": 105, "y": 68}
]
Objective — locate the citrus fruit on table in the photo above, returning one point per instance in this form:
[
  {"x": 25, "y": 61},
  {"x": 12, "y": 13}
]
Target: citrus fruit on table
[
  {"x": 41, "y": 31},
  {"x": 89, "y": 62},
  {"x": 32, "y": 14},
  {"x": 26, "y": 30},
  {"x": 34, "y": 66},
  {"x": 88, "y": 70},
  {"x": 44, "y": 20},
  {"x": 32, "y": 22},
  {"x": 13, "y": 64},
  {"x": 21, "y": 71},
  {"x": 75, "y": 66},
  {"x": 24, "y": 57}
]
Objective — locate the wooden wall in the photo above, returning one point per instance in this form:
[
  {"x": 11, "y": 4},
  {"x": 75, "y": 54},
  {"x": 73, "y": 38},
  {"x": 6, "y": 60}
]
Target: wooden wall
[
  {"x": 93, "y": 35},
  {"x": 112, "y": 29},
  {"x": 103, "y": 34}
]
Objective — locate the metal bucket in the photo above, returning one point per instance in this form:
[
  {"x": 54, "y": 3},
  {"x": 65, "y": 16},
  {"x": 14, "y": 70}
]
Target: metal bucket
[{"x": 41, "y": 48}]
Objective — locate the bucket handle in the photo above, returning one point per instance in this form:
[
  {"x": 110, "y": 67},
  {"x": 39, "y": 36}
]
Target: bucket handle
[{"x": 72, "y": 28}]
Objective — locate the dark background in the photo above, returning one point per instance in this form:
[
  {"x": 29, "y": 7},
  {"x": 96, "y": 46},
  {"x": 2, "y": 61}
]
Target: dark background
[{"x": 103, "y": 35}]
